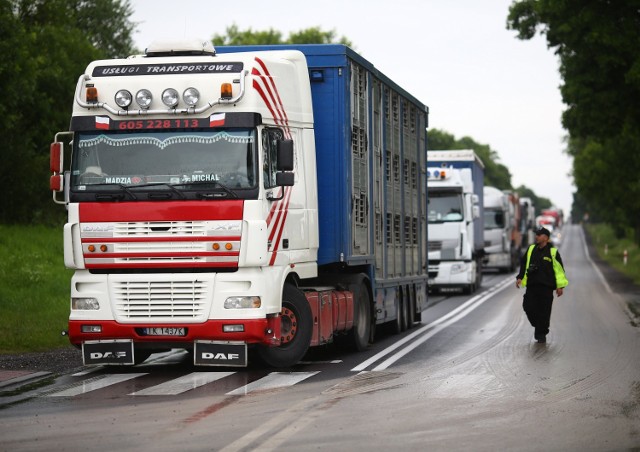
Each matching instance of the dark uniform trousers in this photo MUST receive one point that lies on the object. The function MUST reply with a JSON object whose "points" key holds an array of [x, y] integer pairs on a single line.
{"points": [[537, 302]]}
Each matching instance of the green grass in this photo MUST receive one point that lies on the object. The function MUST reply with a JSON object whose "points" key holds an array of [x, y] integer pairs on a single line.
{"points": [[612, 250], [34, 289]]}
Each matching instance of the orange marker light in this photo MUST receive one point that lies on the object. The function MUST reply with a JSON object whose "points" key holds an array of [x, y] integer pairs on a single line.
{"points": [[225, 91], [103, 248], [92, 94], [91, 248], [216, 246], [228, 246]]}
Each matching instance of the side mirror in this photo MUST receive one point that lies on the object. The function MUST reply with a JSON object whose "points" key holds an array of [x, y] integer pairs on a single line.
{"points": [[55, 157], [284, 179], [56, 182], [284, 176], [285, 155], [56, 153]]}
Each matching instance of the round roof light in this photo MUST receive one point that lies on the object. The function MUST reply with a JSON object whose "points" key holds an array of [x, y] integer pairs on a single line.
{"points": [[143, 98], [123, 98], [170, 97], [191, 96]]}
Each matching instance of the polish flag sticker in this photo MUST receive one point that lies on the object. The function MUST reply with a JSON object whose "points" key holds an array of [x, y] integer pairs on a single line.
{"points": [[102, 122], [216, 120]]}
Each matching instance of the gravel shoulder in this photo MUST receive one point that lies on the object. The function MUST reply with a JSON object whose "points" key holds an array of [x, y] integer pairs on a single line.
{"points": [[58, 361]]}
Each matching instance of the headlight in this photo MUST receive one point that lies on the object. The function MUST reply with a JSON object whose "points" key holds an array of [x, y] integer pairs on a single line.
{"points": [[143, 98], [85, 304], [170, 97], [242, 303], [458, 268], [191, 96], [123, 98]]}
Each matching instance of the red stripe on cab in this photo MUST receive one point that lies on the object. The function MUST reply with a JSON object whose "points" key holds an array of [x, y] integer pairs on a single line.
{"points": [[161, 211]]}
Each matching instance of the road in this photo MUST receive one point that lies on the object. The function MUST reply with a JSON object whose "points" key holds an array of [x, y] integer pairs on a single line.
{"points": [[469, 377]]}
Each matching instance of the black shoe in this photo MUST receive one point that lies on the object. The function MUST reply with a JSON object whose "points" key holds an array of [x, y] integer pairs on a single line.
{"points": [[540, 338]]}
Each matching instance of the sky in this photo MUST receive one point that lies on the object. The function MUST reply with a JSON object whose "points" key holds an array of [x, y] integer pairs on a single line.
{"points": [[455, 56]]}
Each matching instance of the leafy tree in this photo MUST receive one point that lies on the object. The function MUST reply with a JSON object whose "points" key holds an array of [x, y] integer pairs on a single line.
{"points": [[46, 45], [315, 35], [495, 173], [235, 36], [539, 203], [598, 43]]}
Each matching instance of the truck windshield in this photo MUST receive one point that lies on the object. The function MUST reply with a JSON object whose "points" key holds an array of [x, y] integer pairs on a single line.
{"points": [[493, 219], [179, 159], [445, 207]]}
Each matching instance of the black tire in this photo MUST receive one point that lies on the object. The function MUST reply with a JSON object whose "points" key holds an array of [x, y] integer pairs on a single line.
{"points": [[361, 331], [404, 305], [478, 282], [396, 327], [411, 313], [296, 329]]}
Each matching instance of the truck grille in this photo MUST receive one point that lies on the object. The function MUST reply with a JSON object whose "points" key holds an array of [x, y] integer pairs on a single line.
{"points": [[162, 244], [160, 300], [434, 246], [159, 228]]}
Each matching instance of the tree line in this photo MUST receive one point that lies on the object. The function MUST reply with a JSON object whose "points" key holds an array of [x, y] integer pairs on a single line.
{"points": [[598, 45], [47, 44]]}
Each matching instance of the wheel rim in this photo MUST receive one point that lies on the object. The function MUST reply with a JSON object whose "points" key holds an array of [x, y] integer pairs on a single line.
{"points": [[288, 325]]}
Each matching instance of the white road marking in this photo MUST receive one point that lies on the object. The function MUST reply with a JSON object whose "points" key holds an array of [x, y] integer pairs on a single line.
{"points": [[432, 328], [273, 381], [183, 384], [94, 384]]}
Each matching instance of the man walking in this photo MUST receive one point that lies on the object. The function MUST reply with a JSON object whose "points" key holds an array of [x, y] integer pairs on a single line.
{"points": [[541, 272]]}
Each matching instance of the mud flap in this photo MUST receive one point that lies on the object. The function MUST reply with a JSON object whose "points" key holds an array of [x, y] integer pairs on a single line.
{"points": [[111, 352], [218, 353]]}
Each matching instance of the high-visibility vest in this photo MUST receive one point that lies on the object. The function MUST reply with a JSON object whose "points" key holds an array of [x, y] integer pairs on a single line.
{"points": [[561, 278]]}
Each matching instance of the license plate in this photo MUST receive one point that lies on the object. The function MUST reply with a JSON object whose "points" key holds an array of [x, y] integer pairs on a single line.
{"points": [[164, 331]]}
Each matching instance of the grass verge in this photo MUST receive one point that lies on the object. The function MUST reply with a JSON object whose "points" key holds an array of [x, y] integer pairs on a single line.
{"points": [[34, 289], [611, 249]]}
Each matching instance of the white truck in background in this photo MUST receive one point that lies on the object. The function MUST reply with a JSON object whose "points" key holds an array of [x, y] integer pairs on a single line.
{"points": [[502, 235], [455, 181], [527, 222]]}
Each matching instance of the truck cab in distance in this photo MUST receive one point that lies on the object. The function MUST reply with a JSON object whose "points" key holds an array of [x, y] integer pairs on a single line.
{"points": [[454, 213], [502, 233]]}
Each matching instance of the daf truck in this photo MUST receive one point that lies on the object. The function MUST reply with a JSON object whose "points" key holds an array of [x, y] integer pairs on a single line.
{"points": [[236, 201]]}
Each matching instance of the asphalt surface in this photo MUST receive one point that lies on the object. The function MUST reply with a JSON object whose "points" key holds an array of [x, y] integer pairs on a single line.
{"points": [[23, 368]]}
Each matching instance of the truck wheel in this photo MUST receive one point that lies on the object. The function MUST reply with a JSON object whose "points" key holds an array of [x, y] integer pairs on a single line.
{"points": [[400, 324], [404, 302], [361, 318], [296, 329], [411, 312]]}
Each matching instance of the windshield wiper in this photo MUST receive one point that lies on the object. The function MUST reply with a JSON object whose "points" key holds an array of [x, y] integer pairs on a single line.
{"points": [[214, 183], [163, 184], [111, 195]]}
